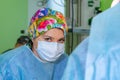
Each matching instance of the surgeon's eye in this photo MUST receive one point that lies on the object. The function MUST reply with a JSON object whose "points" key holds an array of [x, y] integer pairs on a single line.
{"points": [[61, 40], [48, 39]]}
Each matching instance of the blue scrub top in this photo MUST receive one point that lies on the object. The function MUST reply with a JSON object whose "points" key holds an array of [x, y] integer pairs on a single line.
{"points": [[21, 64]]}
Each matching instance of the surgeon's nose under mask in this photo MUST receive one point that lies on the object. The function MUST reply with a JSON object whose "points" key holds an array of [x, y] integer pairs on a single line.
{"points": [[49, 51]]}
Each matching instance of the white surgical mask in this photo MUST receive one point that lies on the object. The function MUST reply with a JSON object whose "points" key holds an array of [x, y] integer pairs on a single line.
{"points": [[49, 51]]}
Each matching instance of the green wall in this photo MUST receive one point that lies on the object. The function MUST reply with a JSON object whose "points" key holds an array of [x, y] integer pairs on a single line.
{"points": [[105, 4], [13, 18]]}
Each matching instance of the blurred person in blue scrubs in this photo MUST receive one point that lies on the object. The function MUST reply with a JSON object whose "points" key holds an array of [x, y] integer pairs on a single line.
{"points": [[45, 58], [22, 40], [98, 56]]}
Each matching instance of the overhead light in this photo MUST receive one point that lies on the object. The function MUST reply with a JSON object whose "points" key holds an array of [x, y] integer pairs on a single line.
{"points": [[41, 2]]}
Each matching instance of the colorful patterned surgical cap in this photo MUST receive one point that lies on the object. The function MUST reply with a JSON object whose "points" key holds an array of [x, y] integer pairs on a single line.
{"points": [[45, 19]]}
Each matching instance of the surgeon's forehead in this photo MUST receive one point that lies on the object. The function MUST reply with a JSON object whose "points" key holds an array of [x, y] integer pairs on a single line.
{"points": [[55, 32]]}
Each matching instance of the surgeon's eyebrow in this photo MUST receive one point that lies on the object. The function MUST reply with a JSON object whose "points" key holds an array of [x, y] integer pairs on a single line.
{"points": [[62, 38], [45, 36]]}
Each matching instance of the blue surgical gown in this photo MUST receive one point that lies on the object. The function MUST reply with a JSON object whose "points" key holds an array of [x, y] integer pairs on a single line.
{"points": [[21, 64], [75, 69], [102, 58]]}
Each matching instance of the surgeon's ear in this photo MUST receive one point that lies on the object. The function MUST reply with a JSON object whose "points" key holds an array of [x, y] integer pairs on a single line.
{"points": [[32, 40], [35, 42]]}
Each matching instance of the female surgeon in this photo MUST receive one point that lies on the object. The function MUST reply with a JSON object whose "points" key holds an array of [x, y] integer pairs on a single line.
{"points": [[45, 58]]}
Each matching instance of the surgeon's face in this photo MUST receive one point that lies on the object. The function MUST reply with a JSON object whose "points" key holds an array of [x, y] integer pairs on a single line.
{"points": [[52, 35]]}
